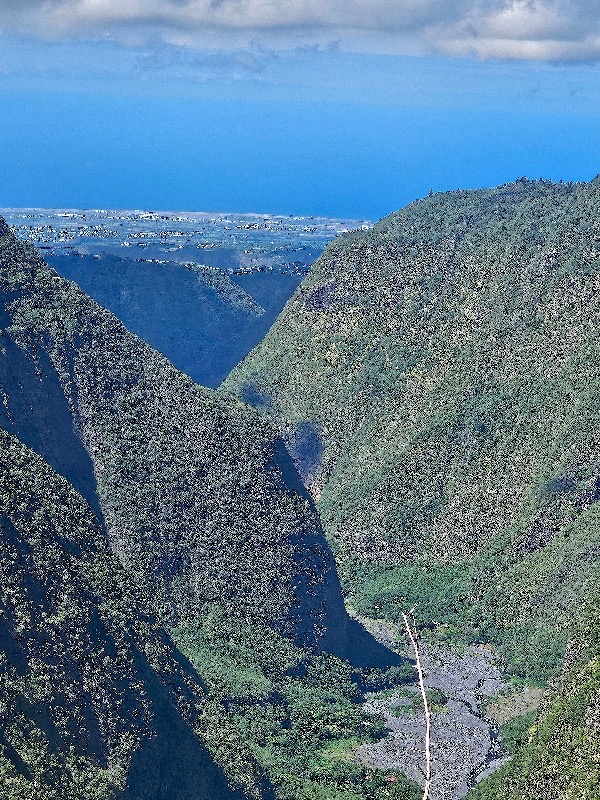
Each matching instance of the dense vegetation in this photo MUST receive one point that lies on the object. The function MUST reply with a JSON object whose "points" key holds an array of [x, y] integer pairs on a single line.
{"points": [[437, 380], [96, 703], [93, 696], [191, 488], [448, 361], [559, 756], [214, 533]]}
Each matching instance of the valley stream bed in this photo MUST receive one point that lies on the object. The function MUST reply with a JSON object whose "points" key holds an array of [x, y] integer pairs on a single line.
{"points": [[464, 747]]}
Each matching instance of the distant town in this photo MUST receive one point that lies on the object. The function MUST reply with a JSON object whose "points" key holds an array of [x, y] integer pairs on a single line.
{"points": [[237, 243]]}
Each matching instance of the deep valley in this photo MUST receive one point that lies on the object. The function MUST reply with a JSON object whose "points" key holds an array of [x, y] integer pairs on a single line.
{"points": [[231, 462]]}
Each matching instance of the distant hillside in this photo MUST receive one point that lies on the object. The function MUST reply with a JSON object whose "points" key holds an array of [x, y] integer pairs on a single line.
{"points": [[95, 702], [438, 383], [203, 320]]}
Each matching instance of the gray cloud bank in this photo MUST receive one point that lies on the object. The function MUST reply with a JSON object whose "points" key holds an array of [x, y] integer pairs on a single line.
{"points": [[555, 30]]}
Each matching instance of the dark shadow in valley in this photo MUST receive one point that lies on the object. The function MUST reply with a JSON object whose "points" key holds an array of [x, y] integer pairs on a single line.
{"points": [[342, 636], [171, 763], [33, 407]]}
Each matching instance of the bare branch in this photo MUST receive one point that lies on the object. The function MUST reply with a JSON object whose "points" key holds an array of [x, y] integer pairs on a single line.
{"points": [[412, 635]]}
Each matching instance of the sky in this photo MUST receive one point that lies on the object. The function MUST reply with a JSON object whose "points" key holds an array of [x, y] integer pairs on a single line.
{"points": [[346, 108]]}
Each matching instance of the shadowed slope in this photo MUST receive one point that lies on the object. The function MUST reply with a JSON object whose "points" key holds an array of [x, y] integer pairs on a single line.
{"points": [[90, 686], [193, 503], [340, 634], [198, 316], [196, 498], [36, 410]]}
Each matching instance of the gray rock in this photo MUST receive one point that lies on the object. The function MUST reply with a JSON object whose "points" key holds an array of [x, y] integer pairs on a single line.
{"points": [[463, 749]]}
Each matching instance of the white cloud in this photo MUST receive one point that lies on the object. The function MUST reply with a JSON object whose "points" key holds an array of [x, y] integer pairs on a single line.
{"points": [[554, 30], [505, 29]]}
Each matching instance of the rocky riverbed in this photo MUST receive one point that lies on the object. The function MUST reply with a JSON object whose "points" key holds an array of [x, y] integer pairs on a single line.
{"points": [[464, 745]]}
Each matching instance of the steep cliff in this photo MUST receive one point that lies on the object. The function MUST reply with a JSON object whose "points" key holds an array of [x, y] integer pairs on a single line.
{"points": [[95, 701]]}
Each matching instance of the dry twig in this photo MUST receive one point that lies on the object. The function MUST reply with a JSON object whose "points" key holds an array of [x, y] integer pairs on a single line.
{"points": [[411, 631]]}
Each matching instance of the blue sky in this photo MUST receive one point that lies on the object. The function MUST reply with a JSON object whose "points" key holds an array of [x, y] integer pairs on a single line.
{"points": [[353, 111]]}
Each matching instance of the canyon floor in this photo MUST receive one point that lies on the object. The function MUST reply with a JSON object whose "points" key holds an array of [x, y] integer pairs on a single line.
{"points": [[470, 696]]}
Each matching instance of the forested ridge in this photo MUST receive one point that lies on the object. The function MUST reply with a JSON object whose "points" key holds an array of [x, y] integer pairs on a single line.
{"points": [[437, 381], [422, 420], [93, 695]]}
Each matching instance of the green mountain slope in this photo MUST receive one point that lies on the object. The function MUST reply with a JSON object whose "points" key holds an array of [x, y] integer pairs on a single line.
{"points": [[198, 497], [437, 379], [560, 754], [205, 511], [95, 702]]}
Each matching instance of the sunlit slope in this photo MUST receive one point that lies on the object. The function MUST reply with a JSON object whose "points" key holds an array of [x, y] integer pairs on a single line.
{"points": [[438, 381], [560, 754], [95, 701]]}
